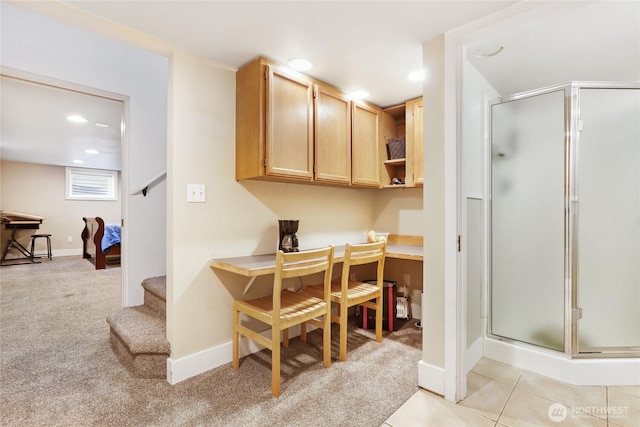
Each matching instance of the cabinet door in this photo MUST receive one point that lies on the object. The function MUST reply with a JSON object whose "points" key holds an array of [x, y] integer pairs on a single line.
{"points": [[332, 136], [289, 134], [415, 143], [365, 148]]}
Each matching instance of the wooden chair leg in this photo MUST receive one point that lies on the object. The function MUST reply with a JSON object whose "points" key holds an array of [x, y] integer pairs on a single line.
{"points": [[303, 332], [275, 363], [236, 359], [326, 340], [285, 338], [379, 307], [343, 331]]}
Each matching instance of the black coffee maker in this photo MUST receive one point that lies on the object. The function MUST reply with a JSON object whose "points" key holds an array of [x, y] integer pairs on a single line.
{"points": [[288, 241]]}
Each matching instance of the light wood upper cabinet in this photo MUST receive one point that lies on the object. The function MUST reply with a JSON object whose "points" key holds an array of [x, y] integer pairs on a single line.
{"points": [[274, 123], [415, 144], [250, 121], [289, 125], [365, 145], [332, 136]]}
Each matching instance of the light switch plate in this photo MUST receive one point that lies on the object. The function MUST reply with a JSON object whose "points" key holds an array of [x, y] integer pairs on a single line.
{"points": [[196, 193]]}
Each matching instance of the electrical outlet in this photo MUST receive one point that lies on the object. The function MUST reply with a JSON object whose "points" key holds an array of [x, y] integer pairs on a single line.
{"points": [[406, 280], [69, 239]]}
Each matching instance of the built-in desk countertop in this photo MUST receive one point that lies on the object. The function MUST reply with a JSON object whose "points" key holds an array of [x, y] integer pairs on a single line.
{"points": [[258, 265]]}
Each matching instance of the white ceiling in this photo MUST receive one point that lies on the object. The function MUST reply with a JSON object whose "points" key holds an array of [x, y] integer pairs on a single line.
{"points": [[560, 42], [373, 45], [369, 45], [35, 128]]}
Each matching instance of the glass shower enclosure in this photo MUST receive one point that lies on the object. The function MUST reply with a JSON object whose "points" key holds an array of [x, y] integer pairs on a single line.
{"points": [[565, 219]]}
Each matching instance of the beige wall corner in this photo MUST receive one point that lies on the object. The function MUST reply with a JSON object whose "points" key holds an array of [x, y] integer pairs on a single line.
{"points": [[434, 205]]}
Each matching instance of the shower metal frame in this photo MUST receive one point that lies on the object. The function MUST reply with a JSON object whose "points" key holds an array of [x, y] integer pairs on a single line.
{"points": [[572, 311]]}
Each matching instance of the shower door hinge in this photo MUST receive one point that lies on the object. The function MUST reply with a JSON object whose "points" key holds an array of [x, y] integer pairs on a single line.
{"points": [[459, 243], [577, 313], [580, 125]]}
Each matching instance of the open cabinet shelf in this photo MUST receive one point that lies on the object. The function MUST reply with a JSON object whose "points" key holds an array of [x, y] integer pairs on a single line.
{"points": [[404, 120]]}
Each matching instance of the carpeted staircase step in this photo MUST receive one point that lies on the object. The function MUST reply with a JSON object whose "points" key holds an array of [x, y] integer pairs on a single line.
{"points": [[155, 294], [138, 337]]}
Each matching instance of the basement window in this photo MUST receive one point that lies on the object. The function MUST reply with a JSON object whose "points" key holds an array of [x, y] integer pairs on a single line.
{"points": [[91, 184]]}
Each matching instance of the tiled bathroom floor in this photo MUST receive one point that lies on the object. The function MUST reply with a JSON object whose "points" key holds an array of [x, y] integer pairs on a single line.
{"points": [[504, 396]]}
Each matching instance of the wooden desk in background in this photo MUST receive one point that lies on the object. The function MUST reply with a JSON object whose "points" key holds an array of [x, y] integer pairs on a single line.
{"points": [[15, 221]]}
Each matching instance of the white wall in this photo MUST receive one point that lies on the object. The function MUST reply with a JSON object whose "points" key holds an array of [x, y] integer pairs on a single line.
{"points": [[441, 369], [399, 211], [476, 92], [36, 44], [431, 375]]}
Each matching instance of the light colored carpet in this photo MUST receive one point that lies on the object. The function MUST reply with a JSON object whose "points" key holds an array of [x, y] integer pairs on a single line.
{"points": [[57, 367]]}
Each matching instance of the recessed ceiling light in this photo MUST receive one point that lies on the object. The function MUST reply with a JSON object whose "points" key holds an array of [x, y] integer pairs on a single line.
{"points": [[102, 125], [91, 151], [354, 95], [77, 119], [489, 50], [299, 64], [416, 76], [78, 161]]}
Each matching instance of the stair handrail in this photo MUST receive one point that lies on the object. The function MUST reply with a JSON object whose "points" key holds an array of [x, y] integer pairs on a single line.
{"points": [[153, 181]]}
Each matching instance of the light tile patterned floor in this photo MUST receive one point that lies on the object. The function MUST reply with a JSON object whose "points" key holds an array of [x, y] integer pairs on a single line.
{"points": [[504, 396]]}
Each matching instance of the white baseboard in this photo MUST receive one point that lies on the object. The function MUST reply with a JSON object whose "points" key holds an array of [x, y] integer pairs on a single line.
{"points": [[431, 377], [614, 371], [57, 253], [203, 361], [197, 363], [66, 252]]}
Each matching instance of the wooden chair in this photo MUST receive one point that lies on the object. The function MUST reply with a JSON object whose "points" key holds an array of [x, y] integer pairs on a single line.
{"points": [[348, 293], [284, 308]]}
